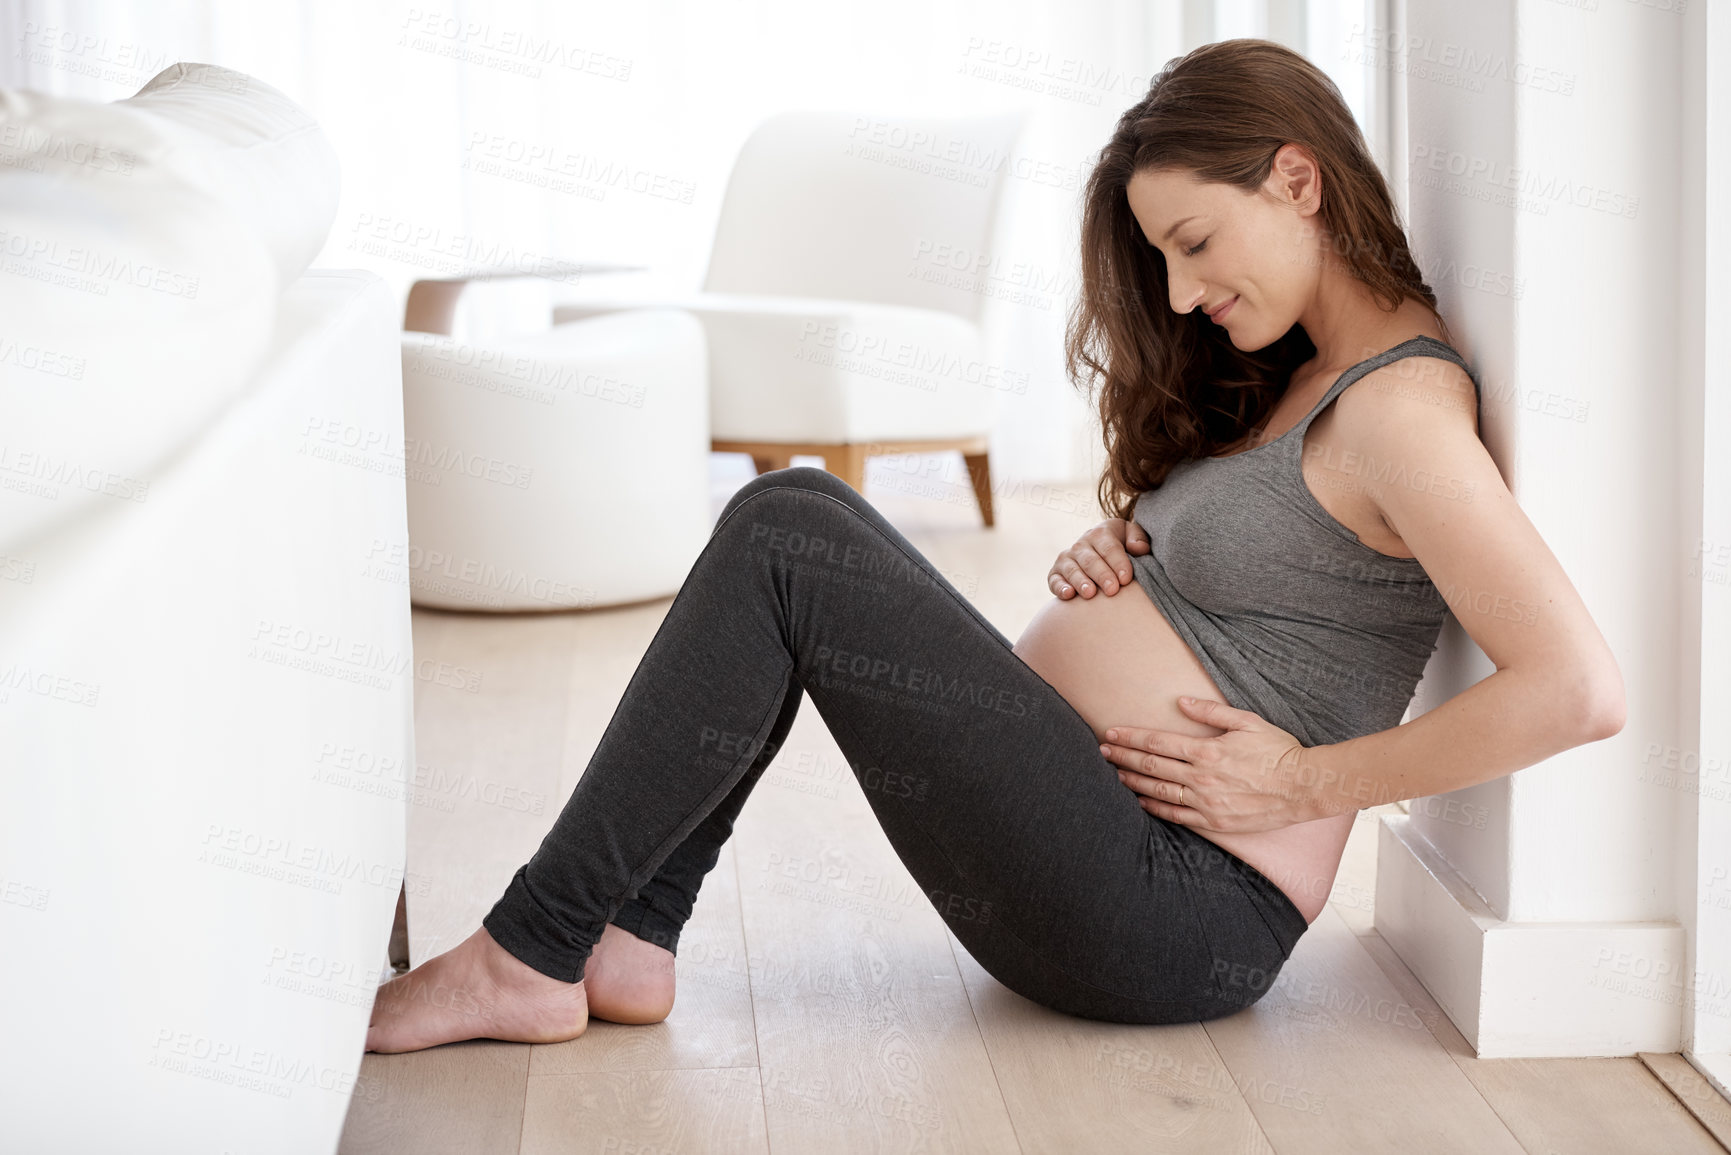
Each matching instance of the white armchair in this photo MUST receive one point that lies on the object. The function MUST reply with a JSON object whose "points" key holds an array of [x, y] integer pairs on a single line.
{"points": [[555, 470], [844, 296]]}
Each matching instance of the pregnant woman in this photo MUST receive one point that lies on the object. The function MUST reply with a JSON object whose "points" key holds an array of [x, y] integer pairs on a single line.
{"points": [[1134, 812]]}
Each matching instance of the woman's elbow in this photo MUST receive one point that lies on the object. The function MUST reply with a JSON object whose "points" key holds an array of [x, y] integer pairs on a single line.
{"points": [[1602, 709]]}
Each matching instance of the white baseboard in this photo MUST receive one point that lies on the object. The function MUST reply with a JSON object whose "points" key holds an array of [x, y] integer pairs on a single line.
{"points": [[1526, 990], [1715, 1068]]}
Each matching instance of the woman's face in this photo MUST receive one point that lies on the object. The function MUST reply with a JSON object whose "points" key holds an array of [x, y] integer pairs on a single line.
{"points": [[1261, 251]]}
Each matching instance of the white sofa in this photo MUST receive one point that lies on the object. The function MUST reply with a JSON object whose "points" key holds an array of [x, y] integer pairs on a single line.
{"points": [[206, 668]]}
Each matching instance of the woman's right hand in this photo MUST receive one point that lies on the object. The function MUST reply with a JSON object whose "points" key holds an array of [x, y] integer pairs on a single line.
{"points": [[1100, 558]]}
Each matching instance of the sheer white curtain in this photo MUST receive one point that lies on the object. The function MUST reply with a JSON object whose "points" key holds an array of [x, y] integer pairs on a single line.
{"points": [[558, 129]]}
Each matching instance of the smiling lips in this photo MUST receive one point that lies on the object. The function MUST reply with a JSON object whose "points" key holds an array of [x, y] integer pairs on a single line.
{"points": [[1219, 311]]}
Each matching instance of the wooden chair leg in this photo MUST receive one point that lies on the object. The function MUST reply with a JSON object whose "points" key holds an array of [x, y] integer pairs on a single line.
{"points": [[848, 462], [980, 469], [398, 951]]}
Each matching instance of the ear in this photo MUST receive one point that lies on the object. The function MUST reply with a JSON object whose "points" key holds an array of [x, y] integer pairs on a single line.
{"points": [[1296, 179]]}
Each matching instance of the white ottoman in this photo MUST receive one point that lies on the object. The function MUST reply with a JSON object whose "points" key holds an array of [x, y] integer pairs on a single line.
{"points": [[556, 470]]}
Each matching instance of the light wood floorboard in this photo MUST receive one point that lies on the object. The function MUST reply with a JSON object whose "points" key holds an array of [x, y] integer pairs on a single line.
{"points": [[645, 1113], [1592, 1106], [1125, 1088], [463, 1097], [1692, 1089], [1333, 1058], [864, 1032]]}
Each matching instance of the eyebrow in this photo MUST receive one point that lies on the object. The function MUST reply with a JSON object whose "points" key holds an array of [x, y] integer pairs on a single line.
{"points": [[1174, 228]]}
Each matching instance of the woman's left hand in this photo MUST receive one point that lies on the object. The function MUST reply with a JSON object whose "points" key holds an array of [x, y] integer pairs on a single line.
{"points": [[1241, 781]]}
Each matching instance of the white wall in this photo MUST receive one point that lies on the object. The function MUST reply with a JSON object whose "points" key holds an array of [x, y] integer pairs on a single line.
{"points": [[1546, 158], [1569, 315]]}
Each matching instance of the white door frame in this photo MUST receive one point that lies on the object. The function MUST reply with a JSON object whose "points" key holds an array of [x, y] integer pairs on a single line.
{"points": [[1705, 705]]}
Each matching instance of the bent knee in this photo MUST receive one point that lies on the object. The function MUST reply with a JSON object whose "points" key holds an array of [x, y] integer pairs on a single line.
{"points": [[801, 477], [790, 484]]}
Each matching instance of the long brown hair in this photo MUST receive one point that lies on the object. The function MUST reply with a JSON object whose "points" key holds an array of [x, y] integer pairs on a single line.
{"points": [[1172, 386]]}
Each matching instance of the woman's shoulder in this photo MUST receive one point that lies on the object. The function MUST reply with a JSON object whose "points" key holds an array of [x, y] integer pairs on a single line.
{"points": [[1423, 389], [1424, 364]]}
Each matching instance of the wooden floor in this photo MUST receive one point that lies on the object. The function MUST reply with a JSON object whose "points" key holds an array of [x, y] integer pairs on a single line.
{"points": [[811, 1019]]}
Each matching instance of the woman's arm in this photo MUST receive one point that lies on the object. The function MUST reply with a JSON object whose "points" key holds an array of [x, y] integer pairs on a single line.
{"points": [[1556, 683]]}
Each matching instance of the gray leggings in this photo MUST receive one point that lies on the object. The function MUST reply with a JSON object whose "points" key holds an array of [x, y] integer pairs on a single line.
{"points": [[990, 786]]}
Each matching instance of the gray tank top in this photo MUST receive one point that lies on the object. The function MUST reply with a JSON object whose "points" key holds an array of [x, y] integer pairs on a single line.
{"points": [[1292, 615]]}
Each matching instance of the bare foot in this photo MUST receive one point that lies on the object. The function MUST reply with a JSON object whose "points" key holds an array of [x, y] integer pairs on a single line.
{"points": [[627, 979], [475, 990]]}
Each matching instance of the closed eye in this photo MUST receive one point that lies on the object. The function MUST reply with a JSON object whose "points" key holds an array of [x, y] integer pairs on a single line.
{"points": [[1200, 246]]}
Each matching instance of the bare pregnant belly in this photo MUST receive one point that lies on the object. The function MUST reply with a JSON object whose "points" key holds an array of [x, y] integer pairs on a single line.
{"points": [[1119, 662]]}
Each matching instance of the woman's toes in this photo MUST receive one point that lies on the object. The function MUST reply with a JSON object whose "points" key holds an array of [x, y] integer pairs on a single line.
{"points": [[432, 1004], [476, 990]]}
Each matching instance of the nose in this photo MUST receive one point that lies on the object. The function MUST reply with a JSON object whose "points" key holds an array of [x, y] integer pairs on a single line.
{"points": [[1185, 293]]}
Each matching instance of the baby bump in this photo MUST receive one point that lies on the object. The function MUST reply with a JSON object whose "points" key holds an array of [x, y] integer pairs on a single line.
{"points": [[1118, 662]]}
